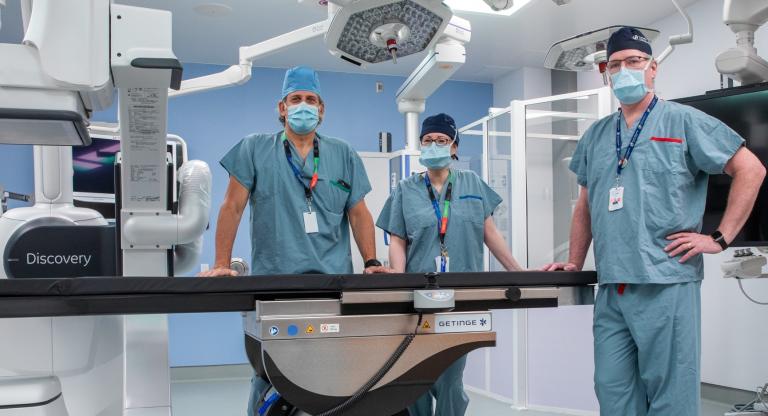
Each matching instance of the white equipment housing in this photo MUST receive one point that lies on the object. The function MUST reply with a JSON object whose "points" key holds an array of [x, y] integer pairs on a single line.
{"points": [[745, 265], [74, 55], [742, 63], [48, 361], [57, 76]]}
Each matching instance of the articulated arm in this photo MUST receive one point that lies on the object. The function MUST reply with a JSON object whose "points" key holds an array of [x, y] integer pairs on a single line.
{"points": [[240, 74], [437, 67]]}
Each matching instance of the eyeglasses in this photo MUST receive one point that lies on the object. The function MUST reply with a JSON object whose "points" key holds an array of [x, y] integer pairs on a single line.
{"points": [[441, 141], [632, 62]]}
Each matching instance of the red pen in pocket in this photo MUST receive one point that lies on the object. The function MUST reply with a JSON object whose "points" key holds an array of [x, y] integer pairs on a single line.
{"points": [[666, 140]]}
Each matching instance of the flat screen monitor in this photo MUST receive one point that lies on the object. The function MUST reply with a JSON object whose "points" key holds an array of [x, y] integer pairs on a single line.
{"points": [[94, 172], [745, 110]]}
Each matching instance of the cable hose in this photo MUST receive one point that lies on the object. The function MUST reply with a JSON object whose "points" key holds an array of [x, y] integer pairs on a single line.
{"points": [[352, 400], [749, 297]]}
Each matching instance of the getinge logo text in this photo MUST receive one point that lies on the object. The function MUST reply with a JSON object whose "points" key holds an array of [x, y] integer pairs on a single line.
{"points": [[58, 259]]}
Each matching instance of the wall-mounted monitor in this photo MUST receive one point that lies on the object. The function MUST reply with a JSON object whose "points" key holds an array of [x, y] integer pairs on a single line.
{"points": [[745, 110]]}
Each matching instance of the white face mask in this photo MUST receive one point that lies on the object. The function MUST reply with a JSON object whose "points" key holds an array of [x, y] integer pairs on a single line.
{"points": [[629, 84], [435, 156]]}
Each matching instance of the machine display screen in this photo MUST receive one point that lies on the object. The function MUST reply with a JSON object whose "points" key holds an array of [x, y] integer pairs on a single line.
{"points": [[745, 110], [94, 166]]}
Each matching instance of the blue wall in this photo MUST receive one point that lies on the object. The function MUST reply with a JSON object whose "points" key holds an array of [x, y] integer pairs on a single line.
{"points": [[214, 121]]}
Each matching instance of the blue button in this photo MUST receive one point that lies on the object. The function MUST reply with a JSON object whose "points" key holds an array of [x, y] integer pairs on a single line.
{"points": [[293, 330]]}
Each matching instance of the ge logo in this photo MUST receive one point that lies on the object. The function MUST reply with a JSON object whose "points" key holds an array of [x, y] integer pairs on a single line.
{"points": [[273, 331]]}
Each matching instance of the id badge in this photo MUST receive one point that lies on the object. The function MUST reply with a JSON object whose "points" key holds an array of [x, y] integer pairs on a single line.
{"points": [[442, 264], [310, 223], [616, 201]]}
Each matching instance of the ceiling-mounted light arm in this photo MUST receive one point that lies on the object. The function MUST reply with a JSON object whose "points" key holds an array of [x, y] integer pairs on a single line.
{"points": [[678, 39], [240, 74], [442, 61]]}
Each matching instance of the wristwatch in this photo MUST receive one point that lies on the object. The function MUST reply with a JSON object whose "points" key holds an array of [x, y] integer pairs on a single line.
{"points": [[719, 239], [372, 263]]}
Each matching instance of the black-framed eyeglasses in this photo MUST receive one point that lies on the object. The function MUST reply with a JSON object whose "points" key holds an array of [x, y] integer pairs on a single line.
{"points": [[632, 62], [441, 141]]}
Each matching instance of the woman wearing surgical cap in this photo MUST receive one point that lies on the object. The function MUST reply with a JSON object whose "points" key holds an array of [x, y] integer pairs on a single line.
{"points": [[438, 221]]}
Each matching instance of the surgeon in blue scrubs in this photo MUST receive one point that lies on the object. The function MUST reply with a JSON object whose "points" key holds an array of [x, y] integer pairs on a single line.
{"points": [[305, 191], [643, 173], [438, 221]]}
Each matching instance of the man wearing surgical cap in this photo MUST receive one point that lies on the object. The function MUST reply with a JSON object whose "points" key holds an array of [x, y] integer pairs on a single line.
{"points": [[305, 191], [643, 173]]}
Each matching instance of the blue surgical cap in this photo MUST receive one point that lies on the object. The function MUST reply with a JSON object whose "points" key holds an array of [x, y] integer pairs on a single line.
{"points": [[628, 38], [301, 78], [440, 123]]}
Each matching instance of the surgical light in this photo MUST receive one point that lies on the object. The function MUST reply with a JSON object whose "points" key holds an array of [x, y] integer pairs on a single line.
{"points": [[381, 30], [497, 7], [587, 51]]}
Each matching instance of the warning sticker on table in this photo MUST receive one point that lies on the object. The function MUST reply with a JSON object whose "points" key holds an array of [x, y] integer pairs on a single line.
{"points": [[330, 328], [426, 325], [475, 322], [310, 329]]}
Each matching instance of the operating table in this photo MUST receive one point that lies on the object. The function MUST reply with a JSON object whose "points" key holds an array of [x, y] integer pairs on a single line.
{"points": [[330, 344]]}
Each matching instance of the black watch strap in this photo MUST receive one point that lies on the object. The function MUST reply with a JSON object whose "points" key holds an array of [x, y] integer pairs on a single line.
{"points": [[719, 239], [372, 263]]}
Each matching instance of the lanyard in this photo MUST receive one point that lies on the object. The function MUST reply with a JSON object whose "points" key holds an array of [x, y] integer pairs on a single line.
{"points": [[442, 217], [622, 162], [297, 171]]}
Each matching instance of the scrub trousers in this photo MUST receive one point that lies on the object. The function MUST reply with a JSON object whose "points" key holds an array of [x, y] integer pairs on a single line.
{"points": [[648, 349], [448, 393]]}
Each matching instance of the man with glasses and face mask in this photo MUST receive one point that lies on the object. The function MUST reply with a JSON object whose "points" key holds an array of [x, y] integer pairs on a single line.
{"points": [[305, 190], [643, 174], [438, 221]]}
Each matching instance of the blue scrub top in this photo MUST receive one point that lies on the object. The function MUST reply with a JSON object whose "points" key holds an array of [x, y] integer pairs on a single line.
{"points": [[665, 190], [409, 214], [279, 242]]}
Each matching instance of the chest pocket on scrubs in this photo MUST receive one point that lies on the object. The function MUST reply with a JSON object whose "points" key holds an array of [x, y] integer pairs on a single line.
{"points": [[666, 179], [332, 195], [665, 155], [329, 202], [420, 222], [468, 217]]}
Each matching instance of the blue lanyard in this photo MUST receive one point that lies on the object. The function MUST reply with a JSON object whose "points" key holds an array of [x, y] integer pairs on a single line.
{"points": [[297, 171], [622, 162], [442, 217]]}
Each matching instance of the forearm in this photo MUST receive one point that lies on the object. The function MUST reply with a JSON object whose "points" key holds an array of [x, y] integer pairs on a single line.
{"points": [[581, 233], [397, 254], [498, 247], [741, 199], [364, 232], [226, 231]]}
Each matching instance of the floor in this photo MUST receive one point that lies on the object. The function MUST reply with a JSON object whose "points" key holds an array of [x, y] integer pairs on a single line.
{"points": [[228, 397]]}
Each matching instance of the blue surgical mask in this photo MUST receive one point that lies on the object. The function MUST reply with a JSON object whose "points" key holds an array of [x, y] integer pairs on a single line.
{"points": [[435, 157], [303, 118], [629, 85]]}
